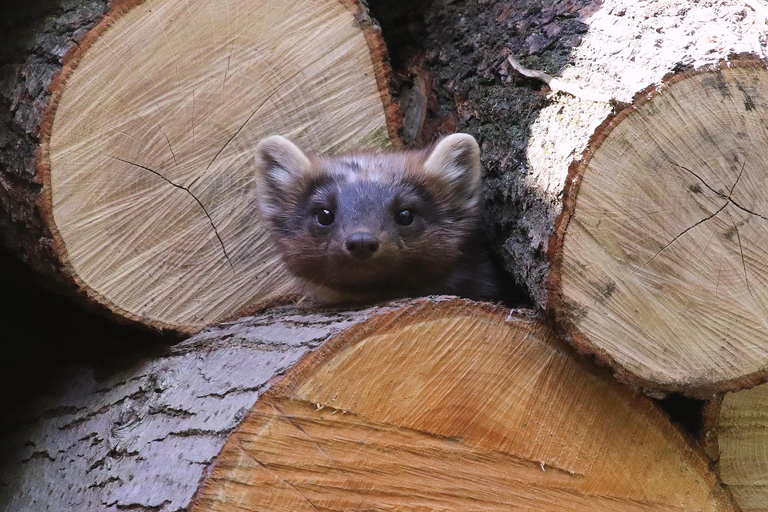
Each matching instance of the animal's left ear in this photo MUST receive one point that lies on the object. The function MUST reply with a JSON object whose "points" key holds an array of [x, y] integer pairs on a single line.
{"points": [[455, 161]]}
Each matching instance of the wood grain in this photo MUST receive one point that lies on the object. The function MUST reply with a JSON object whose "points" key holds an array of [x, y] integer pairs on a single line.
{"points": [[737, 434], [455, 406], [660, 259]]}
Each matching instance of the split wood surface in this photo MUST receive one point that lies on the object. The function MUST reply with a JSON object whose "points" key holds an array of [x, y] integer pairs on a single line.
{"points": [[736, 438], [453, 405], [658, 259], [148, 203]]}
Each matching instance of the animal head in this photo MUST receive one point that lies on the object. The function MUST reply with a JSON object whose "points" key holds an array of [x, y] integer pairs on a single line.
{"points": [[370, 223]]}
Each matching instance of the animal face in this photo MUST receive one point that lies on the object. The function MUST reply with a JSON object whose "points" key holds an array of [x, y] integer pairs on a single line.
{"points": [[370, 224]]}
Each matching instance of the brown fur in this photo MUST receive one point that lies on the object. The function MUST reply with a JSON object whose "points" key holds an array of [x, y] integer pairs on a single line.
{"points": [[440, 252]]}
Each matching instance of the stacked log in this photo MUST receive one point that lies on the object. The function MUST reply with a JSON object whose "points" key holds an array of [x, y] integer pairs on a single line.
{"points": [[432, 404], [659, 240], [735, 439]]}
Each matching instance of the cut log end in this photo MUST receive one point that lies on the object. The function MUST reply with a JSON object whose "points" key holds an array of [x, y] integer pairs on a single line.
{"points": [[658, 255], [737, 439], [147, 145], [451, 405]]}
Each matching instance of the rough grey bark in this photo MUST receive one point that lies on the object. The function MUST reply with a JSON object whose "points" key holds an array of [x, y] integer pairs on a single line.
{"points": [[141, 433], [36, 37], [528, 136]]}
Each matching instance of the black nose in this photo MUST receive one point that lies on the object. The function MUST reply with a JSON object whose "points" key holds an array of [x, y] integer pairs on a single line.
{"points": [[361, 245]]}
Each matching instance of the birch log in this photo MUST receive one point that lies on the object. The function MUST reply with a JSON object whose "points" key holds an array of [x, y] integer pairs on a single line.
{"points": [[433, 404], [127, 132], [656, 263]]}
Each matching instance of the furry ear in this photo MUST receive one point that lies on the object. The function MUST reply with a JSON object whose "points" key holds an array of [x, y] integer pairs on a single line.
{"points": [[455, 162], [280, 167], [279, 162]]}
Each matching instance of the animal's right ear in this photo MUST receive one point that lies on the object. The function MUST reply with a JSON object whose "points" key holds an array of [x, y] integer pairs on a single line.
{"points": [[280, 163], [280, 167]]}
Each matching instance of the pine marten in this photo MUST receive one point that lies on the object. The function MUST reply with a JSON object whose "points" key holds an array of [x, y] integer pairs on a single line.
{"points": [[368, 226]]}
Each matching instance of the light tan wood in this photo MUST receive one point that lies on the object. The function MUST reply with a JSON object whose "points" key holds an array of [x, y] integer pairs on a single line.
{"points": [[738, 437], [662, 262], [150, 156], [452, 405]]}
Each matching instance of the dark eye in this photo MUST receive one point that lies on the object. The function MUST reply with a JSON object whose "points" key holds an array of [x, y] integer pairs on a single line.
{"points": [[324, 217], [404, 217]]}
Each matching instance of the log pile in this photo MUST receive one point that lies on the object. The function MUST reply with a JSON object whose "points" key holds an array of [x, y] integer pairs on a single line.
{"points": [[432, 404], [634, 225]]}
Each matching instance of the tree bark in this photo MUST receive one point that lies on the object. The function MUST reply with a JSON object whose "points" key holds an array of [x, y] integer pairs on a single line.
{"points": [[431, 404], [34, 46], [139, 434], [529, 141], [127, 144]]}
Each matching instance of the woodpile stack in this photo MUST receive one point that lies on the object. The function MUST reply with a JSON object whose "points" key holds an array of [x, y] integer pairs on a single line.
{"points": [[634, 225], [432, 404]]}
